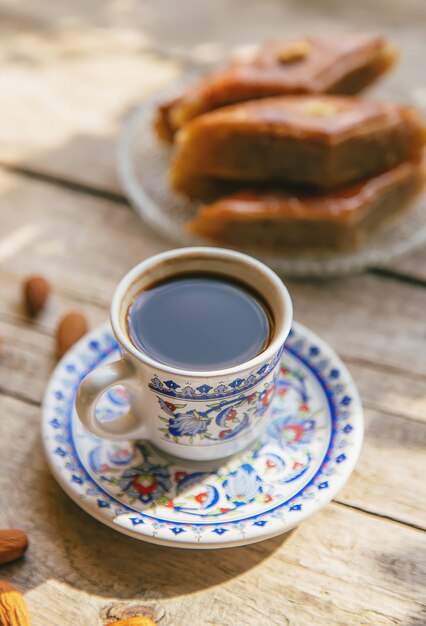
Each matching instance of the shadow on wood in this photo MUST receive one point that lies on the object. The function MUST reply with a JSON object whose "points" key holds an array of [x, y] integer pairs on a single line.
{"points": [[90, 556]]}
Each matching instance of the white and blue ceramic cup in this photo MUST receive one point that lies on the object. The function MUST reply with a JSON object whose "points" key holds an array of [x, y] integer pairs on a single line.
{"points": [[193, 415]]}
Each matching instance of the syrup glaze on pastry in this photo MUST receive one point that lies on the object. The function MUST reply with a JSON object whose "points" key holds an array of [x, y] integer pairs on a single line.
{"points": [[298, 221], [339, 63], [321, 141]]}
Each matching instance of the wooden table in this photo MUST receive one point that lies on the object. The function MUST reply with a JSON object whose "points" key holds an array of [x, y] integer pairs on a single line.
{"points": [[70, 73]]}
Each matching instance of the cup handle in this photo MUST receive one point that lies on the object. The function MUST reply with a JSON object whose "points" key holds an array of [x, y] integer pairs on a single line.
{"points": [[95, 384]]}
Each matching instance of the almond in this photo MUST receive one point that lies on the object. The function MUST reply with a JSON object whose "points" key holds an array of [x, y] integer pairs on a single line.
{"points": [[72, 327], [13, 544], [134, 621], [36, 293], [13, 610]]}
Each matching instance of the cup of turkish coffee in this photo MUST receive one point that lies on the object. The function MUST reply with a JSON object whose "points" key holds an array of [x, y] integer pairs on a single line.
{"points": [[201, 331]]}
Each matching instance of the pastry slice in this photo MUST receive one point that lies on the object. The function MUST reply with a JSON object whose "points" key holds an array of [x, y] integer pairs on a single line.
{"points": [[321, 141], [336, 221], [340, 63]]}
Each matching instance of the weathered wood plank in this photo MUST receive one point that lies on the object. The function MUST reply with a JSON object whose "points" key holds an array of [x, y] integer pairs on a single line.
{"points": [[40, 233], [205, 32], [84, 269], [386, 479], [64, 118], [327, 571], [70, 72], [362, 319], [28, 356], [94, 66], [394, 392], [28, 349]]}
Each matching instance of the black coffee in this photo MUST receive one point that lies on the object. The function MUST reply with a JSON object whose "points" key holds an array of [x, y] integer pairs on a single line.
{"points": [[199, 322]]}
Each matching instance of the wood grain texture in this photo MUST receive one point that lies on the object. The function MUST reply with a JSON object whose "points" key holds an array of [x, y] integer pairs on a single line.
{"points": [[87, 267], [81, 87], [385, 482], [329, 571], [83, 69], [71, 71], [41, 234], [386, 479]]}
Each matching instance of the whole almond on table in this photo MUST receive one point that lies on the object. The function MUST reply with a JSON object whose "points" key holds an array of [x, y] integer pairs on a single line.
{"points": [[13, 544], [72, 327], [36, 293], [133, 621], [13, 610]]}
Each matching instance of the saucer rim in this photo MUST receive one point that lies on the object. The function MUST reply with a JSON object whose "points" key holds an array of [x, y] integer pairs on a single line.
{"points": [[220, 541]]}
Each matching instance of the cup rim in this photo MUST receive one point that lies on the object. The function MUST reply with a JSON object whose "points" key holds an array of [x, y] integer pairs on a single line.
{"points": [[281, 332]]}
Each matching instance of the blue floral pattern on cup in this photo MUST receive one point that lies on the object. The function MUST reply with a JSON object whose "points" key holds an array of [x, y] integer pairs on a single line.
{"points": [[282, 457], [221, 420]]}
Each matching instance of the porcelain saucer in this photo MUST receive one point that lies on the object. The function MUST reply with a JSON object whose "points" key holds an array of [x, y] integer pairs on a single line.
{"points": [[305, 456]]}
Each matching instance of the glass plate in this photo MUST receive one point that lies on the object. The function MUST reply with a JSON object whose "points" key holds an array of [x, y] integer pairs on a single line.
{"points": [[143, 163]]}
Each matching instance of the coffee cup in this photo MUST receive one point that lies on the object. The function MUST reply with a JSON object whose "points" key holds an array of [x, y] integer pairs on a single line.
{"points": [[191, 414]]}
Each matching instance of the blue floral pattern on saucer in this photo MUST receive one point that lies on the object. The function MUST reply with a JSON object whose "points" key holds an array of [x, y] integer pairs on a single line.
{"points": [[306, 454]]}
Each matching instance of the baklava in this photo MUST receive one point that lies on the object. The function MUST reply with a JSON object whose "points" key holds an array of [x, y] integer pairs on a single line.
{"points": [[305, 222], [339, 63], [322, 142]]}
